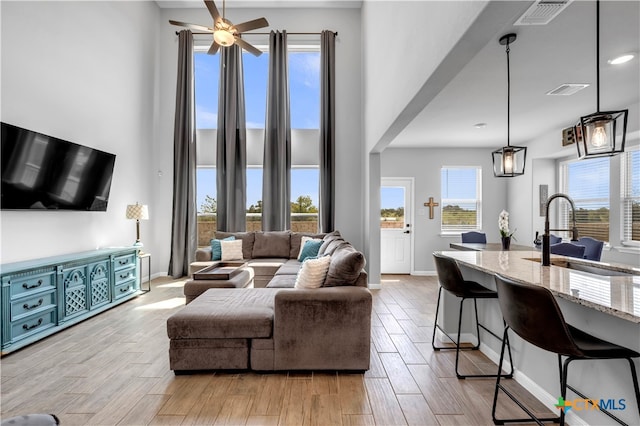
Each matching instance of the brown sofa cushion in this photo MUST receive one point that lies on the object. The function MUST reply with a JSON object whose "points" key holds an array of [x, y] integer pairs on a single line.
{"points": [[247, 238], [296, 238], [331, 236], [271, 244], [221, 313], [345, 267]]}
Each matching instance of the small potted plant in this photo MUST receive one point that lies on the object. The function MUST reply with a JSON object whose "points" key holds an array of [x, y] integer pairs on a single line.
{"points": [[505, 233]]}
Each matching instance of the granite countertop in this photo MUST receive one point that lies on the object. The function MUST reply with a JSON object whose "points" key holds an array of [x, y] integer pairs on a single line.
{"points": [[592, 284]]}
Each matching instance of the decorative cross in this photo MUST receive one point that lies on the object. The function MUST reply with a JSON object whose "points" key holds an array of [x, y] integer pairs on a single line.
{"points": [[431, 205]]}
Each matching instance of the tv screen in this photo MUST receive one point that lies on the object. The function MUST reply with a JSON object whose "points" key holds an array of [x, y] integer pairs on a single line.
{"points": [[40, 172]]}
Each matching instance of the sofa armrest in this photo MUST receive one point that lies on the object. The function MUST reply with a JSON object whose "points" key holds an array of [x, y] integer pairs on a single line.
{"points": [[203, 254], [322, 329]]}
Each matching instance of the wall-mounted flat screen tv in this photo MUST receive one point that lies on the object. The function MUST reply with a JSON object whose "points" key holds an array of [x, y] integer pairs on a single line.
{"points": [[41, 172]]}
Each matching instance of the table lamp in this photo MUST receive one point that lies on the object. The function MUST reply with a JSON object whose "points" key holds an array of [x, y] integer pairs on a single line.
{"points": [[138, 212]]}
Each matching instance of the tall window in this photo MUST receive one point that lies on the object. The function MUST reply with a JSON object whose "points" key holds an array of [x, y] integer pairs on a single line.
{"points": [[304, 88], [461, 192], [631, 196], [587, 183]]}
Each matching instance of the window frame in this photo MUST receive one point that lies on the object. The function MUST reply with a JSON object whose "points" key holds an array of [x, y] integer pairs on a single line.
{"points": [[478, 202], [626, 199], [563, 212]]}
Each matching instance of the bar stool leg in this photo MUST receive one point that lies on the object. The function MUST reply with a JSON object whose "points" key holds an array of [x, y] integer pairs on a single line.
{"points": [[634, 376]]}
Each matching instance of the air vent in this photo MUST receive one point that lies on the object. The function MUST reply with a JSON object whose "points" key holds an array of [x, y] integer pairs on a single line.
{"points": [[542, 12], [567, 89]]}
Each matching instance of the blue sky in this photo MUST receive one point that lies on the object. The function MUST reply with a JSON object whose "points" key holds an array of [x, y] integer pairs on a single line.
{"points": [[304, 88]]}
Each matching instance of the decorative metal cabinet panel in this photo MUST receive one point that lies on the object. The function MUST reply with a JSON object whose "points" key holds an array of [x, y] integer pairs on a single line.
{"points": [[43, 296]]}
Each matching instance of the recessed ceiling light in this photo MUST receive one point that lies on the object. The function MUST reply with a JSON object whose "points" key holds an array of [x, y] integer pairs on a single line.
{"points": [[480, 125], [621, 59], [567, 89]]}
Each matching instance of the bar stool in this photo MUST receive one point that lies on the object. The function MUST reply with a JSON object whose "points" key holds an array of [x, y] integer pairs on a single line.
{"points": [[533, 314], [451, 280]]}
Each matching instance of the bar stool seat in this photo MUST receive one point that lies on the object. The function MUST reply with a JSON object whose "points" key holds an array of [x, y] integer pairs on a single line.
{"points": [[451, 279], [533, 314]]}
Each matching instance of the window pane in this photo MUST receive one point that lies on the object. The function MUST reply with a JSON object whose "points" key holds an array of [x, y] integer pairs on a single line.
{"points": [[304, 199], [587, 183], [392, 211], [256, 69], [631, 195], [206, 75], [461, 199], [304, 89]]}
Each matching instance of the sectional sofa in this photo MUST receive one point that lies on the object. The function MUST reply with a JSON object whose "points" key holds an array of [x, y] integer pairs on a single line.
{"points": [[275, 325]]}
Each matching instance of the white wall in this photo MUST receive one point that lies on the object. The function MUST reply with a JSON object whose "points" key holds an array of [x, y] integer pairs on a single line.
{"points": [[349, 149], [84, 72], [424, 165]]}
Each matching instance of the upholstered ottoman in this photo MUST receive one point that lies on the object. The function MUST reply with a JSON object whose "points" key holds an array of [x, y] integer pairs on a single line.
{"points": [[214, 331], [194, 288]]}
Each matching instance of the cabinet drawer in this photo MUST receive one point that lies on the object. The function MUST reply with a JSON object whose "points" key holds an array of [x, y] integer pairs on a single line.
{"points": [[28, 305], [123, 262], [28, 284], [33, 324], [125, 289], [125, 275]]}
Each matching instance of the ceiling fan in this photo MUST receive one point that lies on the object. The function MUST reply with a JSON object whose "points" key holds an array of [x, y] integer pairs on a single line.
{"points": [[225, 33]]}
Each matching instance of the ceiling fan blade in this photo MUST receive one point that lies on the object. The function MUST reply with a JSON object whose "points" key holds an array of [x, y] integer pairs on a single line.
{"points": [[191, 26], [251, 25], [213, 10], [248, 47], [213, 49]]}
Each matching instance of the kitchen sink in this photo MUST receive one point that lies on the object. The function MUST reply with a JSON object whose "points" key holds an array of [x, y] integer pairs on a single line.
{"points": [[576, 266]]}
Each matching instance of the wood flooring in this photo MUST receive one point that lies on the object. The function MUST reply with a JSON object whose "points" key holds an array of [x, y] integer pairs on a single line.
{"points": [[114, 369]]}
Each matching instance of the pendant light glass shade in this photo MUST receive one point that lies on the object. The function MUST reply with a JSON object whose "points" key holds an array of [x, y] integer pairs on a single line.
{"points": [[509, 161], [603, 133]]}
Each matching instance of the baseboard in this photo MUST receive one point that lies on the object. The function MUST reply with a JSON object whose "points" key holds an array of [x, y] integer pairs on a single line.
{"points": [[374, 286], [424, 273], [538, 392]]}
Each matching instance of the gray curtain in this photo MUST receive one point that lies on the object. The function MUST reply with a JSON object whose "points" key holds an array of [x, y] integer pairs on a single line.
{"points": [[276, 180], [231, 161], [184, 226], [326, 210]]}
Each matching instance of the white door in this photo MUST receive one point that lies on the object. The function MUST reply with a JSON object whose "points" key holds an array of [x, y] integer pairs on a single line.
{"points": [[396, 195]]}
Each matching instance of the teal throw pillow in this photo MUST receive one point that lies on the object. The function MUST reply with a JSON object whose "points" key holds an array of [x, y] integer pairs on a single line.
{"points": [[216, 248], [310, 249]]}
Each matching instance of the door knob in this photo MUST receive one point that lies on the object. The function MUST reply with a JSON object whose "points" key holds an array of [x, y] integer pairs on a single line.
{"points": [[406, 232]]}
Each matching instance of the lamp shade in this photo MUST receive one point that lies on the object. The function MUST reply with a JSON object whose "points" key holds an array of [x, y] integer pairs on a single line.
{"points": [[603, 134], [137, 211], [509, 161]]}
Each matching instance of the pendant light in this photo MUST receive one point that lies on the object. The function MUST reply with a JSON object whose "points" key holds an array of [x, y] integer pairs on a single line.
{"points": [[509, 161], [603, 132]]}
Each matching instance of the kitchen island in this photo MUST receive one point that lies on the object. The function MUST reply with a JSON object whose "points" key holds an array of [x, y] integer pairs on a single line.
{"points": [[601, 298]]}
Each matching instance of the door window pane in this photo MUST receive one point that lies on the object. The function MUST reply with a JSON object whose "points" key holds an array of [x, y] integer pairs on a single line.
{"points": [[392, 207]]}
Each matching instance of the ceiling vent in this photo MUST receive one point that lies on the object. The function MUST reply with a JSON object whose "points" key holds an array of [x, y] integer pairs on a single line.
{"points": [[567, 89], [542, 12]]}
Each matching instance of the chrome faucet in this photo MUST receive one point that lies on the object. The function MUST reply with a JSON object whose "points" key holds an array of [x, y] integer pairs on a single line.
{"points": [[546, 253]]}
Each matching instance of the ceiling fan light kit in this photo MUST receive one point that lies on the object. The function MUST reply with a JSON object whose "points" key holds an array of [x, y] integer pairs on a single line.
{"points": [[226, 34], [509, 161], [603, 133]]}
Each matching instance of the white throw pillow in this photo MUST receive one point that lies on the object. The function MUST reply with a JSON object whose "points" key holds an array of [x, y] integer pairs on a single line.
{"points": [[313, 272], [231, 250]]}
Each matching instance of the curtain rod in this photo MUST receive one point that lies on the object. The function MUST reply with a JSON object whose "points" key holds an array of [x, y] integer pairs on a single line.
{"points": [[202, 33]]}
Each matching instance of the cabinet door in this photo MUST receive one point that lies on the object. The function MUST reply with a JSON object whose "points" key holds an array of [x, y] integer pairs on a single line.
{"points": [[75, 292], [99, 287]]}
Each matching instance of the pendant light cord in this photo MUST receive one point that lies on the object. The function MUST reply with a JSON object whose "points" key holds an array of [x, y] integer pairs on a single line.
{"points": [[508, 96], [597, 55]]}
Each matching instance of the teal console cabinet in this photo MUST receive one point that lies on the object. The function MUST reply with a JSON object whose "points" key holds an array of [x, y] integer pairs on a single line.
{"points": [[43, 296]]}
